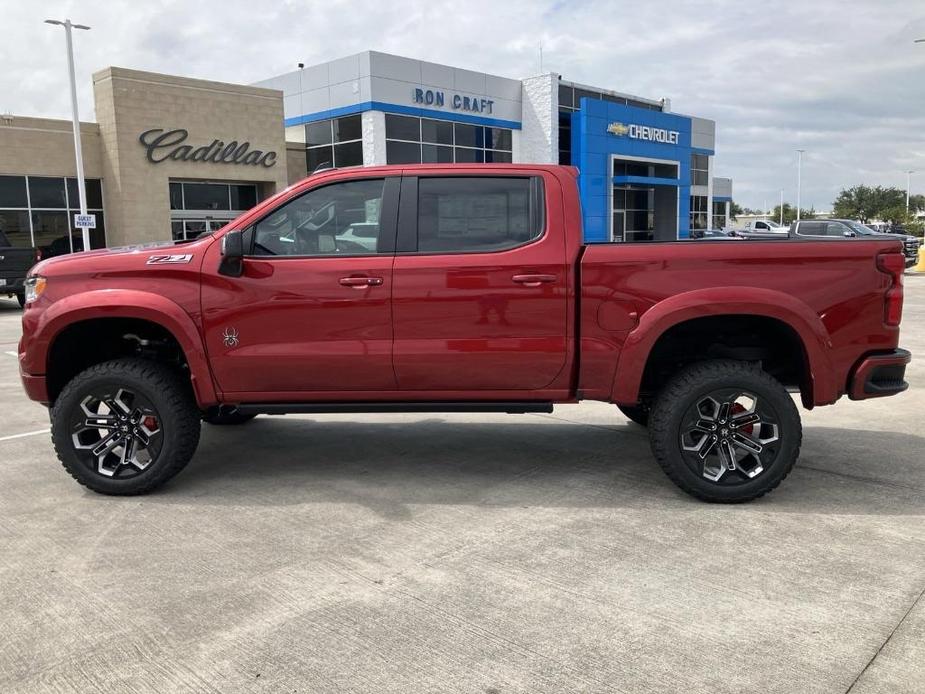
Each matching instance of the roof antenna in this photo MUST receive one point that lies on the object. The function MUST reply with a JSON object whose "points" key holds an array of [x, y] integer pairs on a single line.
{"points": [[541, 58]]}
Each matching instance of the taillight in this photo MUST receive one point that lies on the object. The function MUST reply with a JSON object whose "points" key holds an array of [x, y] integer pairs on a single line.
{"points": [[894, 265]]}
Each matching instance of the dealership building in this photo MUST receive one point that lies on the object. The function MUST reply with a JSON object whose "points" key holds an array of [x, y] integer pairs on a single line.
{"points": [[172, 157]]}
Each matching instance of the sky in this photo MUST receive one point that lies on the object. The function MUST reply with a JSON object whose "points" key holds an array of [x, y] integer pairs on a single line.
{"points": [[841, 79]]}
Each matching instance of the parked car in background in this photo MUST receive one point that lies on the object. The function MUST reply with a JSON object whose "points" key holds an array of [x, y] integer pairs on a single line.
{"points": [[765, 225], [712, 234], [850, 228], [14, 266], [480, 296]]}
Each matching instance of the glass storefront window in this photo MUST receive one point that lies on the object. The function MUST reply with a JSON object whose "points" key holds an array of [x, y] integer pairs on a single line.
{"points": [[403, 128], [437, 131], [402, 152], [13, 191], [39, 212], [700, 169], [47, 192], [243, 197], [337, 142], [436, 154], [699, 216], [633, 214], [206, 196], [348, 154], [176, 196], [348, 128], [412, 140], [93, 190], [318, 133]]}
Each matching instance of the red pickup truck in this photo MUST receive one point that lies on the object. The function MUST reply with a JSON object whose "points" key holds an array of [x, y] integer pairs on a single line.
{"points": [[456, 289]]}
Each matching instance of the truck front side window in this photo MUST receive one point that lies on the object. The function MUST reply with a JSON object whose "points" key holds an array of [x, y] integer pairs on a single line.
{"points": [[337, 219]]}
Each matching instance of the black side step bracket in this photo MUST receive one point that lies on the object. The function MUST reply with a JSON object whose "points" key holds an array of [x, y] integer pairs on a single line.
{"points": [[509, 407]]}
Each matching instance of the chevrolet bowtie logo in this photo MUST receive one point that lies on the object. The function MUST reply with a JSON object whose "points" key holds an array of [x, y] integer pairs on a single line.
{"points": [[618, 129]]}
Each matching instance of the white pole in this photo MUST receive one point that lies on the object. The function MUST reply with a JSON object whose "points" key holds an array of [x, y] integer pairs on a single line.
{"points": [[781, 207], [81, 187], [799, 180], [908, 185]]}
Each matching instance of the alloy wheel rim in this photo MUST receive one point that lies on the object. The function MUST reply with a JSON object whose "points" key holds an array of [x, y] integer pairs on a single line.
{"points": [[117, 434], [730, 437]]}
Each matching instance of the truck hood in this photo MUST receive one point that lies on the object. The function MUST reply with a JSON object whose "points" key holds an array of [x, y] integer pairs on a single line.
{"points": [[86, 258]]}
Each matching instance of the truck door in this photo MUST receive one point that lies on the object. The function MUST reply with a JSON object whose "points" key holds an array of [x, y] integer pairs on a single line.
{"points": [[480, 285], [312, 311]]}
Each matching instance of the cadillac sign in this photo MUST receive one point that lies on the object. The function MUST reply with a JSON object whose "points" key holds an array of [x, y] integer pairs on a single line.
{"points": [[644, 132], [163, 145]]}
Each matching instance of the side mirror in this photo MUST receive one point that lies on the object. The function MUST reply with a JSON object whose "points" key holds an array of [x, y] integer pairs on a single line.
{"points": [[850, 234], [232, 263]]}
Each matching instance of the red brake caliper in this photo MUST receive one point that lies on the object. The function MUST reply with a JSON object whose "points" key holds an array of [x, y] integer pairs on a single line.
{"points": [[737, 409]]}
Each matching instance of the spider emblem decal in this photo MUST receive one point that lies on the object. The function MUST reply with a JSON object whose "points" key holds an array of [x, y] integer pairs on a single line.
{"points": [[230, 337]]}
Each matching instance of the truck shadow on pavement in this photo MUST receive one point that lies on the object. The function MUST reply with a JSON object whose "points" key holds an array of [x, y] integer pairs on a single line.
{"points": [[387, 466]]}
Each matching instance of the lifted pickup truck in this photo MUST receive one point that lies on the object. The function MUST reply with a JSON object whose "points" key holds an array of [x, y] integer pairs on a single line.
{"points": [[478, 295], [14, 265]]}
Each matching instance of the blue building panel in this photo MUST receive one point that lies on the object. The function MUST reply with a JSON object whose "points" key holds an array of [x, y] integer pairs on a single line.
{"points": [[601, 130]]}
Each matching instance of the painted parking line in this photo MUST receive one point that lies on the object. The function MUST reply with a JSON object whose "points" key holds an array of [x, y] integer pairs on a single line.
{"points": [[24, 434], [12, 354]]}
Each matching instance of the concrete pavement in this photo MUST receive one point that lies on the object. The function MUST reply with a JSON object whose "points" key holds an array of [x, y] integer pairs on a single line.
{"points": [[471, 553]]}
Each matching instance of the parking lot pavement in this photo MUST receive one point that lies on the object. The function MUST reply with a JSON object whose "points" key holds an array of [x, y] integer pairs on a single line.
{"points": [[477, 553]]}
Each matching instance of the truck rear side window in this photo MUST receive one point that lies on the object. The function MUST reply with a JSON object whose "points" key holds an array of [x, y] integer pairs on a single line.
{"points": [[477, 214]]}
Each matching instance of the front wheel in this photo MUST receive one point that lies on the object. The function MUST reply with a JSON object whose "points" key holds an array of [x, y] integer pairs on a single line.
{"points": [[125, 426], [21, 298], [725, 431]]}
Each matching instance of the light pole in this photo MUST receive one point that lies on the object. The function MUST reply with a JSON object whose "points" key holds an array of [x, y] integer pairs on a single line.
{"points": [[908, 185], [81, 189], [781, 207], [799, 180]]}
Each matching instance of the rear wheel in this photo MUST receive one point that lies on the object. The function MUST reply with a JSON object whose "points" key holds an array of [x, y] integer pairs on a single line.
{"points": [[725, 431], [636, 413], [125, 426]]}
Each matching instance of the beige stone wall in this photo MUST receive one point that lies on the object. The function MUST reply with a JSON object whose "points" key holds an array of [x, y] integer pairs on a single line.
{"points": [[130, 102], [296, 164], [45, 147]]}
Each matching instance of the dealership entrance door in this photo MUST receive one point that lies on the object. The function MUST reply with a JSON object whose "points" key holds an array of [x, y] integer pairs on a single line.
{"points": [[644, 199], [198, 207]]}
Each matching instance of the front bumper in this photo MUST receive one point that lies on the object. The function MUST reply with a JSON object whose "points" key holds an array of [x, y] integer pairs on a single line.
{"points": [[36, 387], [879, 375]]}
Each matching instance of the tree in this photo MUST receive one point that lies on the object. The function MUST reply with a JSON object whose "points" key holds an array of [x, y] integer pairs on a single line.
{"points": [[790, 213], [865, 203], [735, 210], [917, 203]]}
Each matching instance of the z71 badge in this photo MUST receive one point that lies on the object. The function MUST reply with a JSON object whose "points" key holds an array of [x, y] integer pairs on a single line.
{"points": [[169, 259]]}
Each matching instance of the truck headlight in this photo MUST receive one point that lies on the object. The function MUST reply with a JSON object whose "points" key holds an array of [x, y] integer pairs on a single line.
{"points": [[35, 287]]}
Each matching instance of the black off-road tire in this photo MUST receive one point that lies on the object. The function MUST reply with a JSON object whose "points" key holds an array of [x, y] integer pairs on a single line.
{"points": [[225, 416], [684, 391], [636, 413], [177, 417]]}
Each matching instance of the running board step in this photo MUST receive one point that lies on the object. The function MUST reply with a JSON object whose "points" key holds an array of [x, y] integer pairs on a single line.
{"points": [[510, 407]]}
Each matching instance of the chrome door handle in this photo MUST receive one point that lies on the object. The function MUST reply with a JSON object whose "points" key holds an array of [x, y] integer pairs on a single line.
{"points": [[533, 280], [360, 282]]}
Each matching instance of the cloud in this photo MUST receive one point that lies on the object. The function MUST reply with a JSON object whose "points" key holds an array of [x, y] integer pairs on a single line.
{"points": [[841, 79]]}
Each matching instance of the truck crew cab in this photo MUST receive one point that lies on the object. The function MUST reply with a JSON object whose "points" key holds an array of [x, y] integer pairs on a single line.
{"points": [[456, 288]]}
